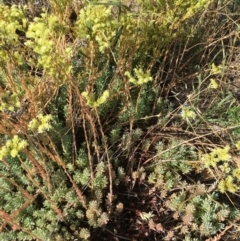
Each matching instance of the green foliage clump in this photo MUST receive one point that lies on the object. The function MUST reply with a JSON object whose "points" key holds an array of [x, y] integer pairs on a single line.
{"points": [[204, 212]]}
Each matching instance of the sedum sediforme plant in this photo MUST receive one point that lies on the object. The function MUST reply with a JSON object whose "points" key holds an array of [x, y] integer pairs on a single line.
{"points": [[81, 156]]}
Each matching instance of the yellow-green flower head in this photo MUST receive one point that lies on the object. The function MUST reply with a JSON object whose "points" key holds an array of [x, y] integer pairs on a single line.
{"points": [[9, 101], [187, 113], [41, 123], [210, 160], [236, 173], [13, 153], [96, 22], [15, 140], [8, 143], [33, 124], [225, 168], [216, 69], [227, 185], [140, 77], [217, 155], [213, 84], [4, 152], [44, 118], [222, 186], [222, 154], [90, 98], [22, 144], [13, 147], [102, 99], [44, 127]]}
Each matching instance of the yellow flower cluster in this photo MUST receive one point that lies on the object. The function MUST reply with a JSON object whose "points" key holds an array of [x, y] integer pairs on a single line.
{"points": [[187, 113], [43, 35], [41, 123], [95, 23], [217, 155], [176, 12], [227, 184], [9, 102], [229, 176], [91, 99], [140, 77], [216, 69], [12, 19], [13, 147]]}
